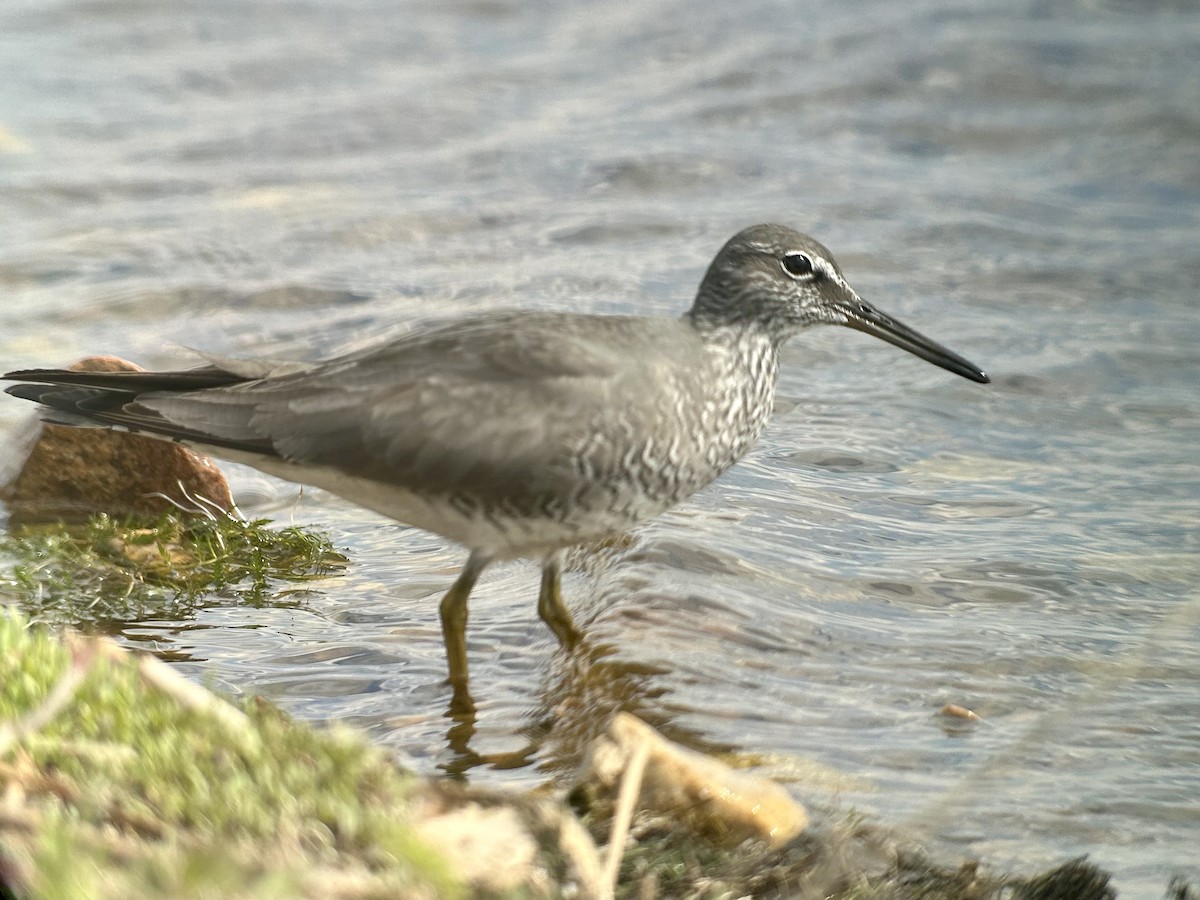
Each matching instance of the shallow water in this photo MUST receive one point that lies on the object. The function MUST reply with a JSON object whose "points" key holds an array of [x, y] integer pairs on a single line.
{"points": [[1020, 181]]}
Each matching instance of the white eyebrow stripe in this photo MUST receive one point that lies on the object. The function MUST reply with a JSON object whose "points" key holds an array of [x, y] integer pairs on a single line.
{"points": [[828, 271]]}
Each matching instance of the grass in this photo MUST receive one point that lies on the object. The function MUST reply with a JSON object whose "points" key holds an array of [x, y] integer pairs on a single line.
{"points": [[109, 571], [113, 786]]}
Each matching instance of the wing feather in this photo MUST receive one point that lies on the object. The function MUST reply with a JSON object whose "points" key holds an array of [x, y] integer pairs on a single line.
{"points": [[490, 405]]}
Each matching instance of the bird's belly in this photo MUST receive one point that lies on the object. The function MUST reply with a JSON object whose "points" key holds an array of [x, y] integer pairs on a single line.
{"points": [[505, 532]]}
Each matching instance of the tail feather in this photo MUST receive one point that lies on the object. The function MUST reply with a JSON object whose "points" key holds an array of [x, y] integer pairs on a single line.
{"points": [[111, 400], [135, 382]]}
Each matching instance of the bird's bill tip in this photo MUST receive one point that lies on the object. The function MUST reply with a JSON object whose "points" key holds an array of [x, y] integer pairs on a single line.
{"points": [[864, 317]]}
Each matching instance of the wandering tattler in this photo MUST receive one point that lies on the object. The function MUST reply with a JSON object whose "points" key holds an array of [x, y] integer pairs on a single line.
{"points": [[514, 433]]}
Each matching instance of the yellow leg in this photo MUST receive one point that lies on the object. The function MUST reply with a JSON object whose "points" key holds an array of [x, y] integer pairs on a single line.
{"points": [[454, 620], [551, 607]]}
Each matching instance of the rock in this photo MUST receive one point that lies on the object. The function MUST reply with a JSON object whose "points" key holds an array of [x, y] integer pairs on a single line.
{"points": [[954, 711], [71, 473], [722, 803], [467, 838], [500, 843]]}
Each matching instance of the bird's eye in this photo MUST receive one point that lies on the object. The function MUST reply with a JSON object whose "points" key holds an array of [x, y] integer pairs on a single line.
{"points": [[797, 265]]}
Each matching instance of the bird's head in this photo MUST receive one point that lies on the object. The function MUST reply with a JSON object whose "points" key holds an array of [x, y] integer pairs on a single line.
{"points": [[776, 279]]}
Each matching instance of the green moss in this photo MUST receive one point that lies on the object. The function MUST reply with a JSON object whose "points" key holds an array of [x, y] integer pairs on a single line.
{"points": [[108, 571], [132, 792]]}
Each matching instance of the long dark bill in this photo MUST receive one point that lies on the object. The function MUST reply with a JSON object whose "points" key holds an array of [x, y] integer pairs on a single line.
{"points": [[861, 316]]}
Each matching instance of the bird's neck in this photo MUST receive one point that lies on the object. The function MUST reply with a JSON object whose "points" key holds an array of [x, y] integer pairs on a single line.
{"points": [[722, 323], [748, 347], [746, 360]]}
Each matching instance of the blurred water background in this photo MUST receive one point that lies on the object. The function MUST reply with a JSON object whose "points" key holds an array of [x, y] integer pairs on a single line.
{"points": [[1021, 181]]}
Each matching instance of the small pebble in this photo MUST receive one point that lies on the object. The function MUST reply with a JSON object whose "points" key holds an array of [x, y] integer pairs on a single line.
{"points": [[954, 711]]}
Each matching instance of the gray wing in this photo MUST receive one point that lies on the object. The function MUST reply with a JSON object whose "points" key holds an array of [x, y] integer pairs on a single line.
{"points": [[493, 405]]}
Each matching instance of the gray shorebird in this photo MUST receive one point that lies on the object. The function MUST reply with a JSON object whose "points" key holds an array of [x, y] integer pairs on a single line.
{"points": [[518, 433]]}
